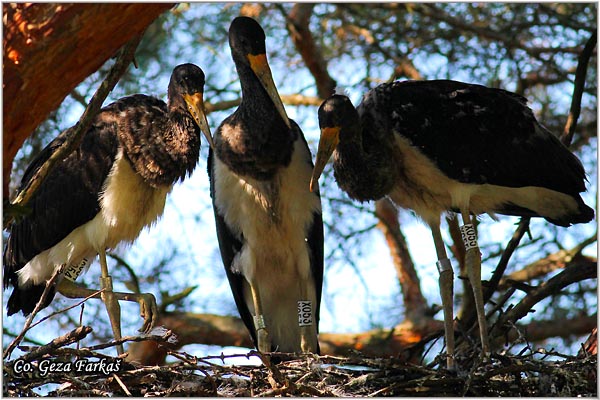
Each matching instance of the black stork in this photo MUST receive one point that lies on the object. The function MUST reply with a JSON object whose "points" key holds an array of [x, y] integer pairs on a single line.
{"points": [[104, 193], [438, 146], [268, 223]]}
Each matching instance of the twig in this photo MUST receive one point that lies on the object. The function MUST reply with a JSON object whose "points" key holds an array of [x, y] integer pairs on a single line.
{"points": [[38, 307], [67, 309], [580, 73], [71, 337], [27, 339], [77, 131], [137, 338], [512, 245], [120, 382], [134, 279], [573, 273]]}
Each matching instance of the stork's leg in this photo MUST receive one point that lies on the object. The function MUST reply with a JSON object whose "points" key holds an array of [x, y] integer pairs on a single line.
{"points": [[147, 302], [446, 282], [262, 335], [306, 322], [113, 308], [473, 265]]}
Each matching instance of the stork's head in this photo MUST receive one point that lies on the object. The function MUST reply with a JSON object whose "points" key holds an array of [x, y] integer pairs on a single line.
{"points": [[247, 42], [187, 81], [336, 116]]}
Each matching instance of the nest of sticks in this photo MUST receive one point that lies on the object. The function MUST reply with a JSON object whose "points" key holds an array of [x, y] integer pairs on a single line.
{"points": [[58, 369]]}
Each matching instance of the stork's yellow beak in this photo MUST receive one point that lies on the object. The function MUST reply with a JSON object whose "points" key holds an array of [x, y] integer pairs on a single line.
{"points": [[260, 66], [329, 140], [195, 104]]}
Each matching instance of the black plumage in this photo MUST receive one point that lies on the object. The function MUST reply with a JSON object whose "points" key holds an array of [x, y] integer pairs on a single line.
{"points": [[437, 146], [138, 144], [473, 134], [268, 224], [67, 199]]}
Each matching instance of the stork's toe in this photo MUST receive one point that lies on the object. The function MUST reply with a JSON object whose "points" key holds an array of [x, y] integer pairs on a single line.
{"points": [[148, 311]]}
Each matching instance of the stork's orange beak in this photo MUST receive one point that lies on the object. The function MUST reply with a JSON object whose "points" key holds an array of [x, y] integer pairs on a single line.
{"points": [[260, 66], [330, 137], [195, 104]]}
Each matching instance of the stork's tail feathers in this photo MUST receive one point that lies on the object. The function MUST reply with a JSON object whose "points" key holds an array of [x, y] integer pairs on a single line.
{"points": [[583, 215], [25, 299]]}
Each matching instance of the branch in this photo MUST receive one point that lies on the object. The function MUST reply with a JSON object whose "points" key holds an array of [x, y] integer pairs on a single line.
{"points": [[37, 308], [414, 302], [550, 263], [537, 331], [580, 74], [573, 273], [512, 245], [297, 24]]}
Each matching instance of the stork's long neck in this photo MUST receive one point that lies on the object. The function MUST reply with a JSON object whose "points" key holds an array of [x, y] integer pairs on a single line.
{"points": [[364, 165], [257, 108], [182, 143], [255, 141]]}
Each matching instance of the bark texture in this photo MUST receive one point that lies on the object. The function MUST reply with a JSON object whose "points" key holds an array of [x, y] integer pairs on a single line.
{"points": [[49, 48]]}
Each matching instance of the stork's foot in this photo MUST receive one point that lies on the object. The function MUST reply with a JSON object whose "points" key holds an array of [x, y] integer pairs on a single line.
{"points": [[148, 311], [147, 302]]}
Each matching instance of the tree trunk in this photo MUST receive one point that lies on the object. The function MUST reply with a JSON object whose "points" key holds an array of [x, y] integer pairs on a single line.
{"points": [[49, 49]]}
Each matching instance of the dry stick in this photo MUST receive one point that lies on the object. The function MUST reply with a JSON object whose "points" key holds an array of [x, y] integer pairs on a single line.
{"points": [[64, 340], [166, 337], [77, 131], [67, 309], [571, 274], [37, 308], [120, 382]]}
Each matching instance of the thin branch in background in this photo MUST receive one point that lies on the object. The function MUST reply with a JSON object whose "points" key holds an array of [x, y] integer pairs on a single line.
{"points": [[135, 282], [26, 339], [78, 97], [79, 303], [575, 272], [580, 74], [512, 245], [552, 262], [298, 26], [38, 307]]}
